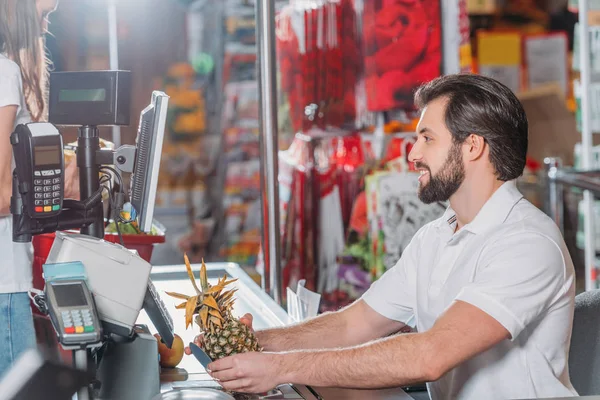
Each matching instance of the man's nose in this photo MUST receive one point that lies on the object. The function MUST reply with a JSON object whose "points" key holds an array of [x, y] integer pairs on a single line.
{"points": [[415, 153]]}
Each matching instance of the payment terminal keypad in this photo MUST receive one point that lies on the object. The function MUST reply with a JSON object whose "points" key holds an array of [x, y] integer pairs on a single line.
{"points": [[46, 188], [78, 321]]}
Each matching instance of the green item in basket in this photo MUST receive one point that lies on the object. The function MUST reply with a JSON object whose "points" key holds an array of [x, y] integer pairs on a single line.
{"points": [[129, 228]]}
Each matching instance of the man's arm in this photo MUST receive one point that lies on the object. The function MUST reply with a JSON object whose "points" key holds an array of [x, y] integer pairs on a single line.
{"points": [[7, 121], [358, 323], [459, 334]]}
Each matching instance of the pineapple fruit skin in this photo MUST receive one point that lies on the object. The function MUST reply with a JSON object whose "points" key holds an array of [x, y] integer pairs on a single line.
{"points": [[233, 338]]}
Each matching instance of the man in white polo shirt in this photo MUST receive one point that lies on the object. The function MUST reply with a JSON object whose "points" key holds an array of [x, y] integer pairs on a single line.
{"points": [[490, 284]]}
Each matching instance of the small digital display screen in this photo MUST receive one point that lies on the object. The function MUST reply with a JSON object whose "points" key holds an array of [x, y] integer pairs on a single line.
{"points": [[77, 95], [47, 155], [69, 295]]}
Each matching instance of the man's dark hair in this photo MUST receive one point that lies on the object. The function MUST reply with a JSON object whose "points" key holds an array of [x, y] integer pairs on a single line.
{"points": [[484, 107]]}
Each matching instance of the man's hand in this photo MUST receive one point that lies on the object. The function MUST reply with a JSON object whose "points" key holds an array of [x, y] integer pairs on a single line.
{"points": [[251, 372], [246, 320]]}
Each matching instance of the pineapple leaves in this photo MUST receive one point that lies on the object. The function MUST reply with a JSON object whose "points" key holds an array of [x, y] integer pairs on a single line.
{"points": [[227, 296], [215, 289], [204, 317], [203, 277], [211, 302], [211, 306], [190, 273], [178, 296], [216, 321], [229, 281], [189, 310], [215, 313]]}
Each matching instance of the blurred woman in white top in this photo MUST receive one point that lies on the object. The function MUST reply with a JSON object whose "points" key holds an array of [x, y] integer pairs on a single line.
{"points": [[23, 77]]}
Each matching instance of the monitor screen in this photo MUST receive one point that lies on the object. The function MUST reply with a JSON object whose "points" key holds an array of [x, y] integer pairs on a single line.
{"points": [[69, 295], [144, 180]]}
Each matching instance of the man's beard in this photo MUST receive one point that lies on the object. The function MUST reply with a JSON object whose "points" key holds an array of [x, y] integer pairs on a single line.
{"points": [[446, 182]]}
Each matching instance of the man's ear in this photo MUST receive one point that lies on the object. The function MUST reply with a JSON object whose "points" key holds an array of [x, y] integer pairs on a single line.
{"points": [[474, 147]]}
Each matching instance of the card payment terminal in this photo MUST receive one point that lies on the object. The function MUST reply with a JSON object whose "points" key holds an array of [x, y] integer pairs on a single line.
{"points": [[72, 310], [40, 164]]}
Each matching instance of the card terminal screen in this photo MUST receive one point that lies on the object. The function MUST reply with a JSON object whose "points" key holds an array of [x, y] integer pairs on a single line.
{"points": [[69, 295], [47, 155]]}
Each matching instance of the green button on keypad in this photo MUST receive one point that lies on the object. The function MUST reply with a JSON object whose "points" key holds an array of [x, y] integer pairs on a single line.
{"points": [[88, 329]]}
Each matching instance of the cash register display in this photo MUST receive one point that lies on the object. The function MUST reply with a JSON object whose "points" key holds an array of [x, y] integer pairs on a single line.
{"points": [[77, 95]]}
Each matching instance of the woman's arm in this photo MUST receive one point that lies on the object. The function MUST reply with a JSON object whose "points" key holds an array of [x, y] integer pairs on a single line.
{"points": [[72, 180], [8, 114]]}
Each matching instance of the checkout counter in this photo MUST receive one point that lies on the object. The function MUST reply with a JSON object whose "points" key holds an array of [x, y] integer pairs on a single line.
{"points": [[190, 376]]}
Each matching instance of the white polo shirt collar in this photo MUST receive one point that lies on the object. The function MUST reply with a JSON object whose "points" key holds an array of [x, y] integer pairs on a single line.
{"points": [[493, 213]]}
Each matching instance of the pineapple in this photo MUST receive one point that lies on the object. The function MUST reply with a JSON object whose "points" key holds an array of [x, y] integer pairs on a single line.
{"points": [[224, 335]]}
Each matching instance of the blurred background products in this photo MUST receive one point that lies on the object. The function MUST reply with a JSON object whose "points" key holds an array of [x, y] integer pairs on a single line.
{"points": [[346, 74]]}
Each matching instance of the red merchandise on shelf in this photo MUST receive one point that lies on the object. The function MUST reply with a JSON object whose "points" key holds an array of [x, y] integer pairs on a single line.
{"points": [[297, 213], [402, 44], [348, 156], [400, 146], [319, 55]]}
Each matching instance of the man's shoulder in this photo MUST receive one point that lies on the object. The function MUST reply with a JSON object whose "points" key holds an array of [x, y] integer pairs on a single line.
{"points": [[526, 218], [429, 228], [528, 234]]}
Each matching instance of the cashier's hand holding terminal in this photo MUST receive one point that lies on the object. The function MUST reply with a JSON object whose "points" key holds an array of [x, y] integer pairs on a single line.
{"points": [[489, 286]]}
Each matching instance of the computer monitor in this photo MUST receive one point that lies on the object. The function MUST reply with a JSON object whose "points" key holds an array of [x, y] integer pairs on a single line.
{"points": [[149, 143]]}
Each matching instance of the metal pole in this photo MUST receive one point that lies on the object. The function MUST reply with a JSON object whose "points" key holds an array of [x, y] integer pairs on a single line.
{"points": [[265, 34], [88, 143], [113, 50], [81, 362], [554, 198], [586, 141]]}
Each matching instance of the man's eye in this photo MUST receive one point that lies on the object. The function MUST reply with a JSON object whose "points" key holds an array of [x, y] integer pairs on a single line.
{"points": [[427, 138]]}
